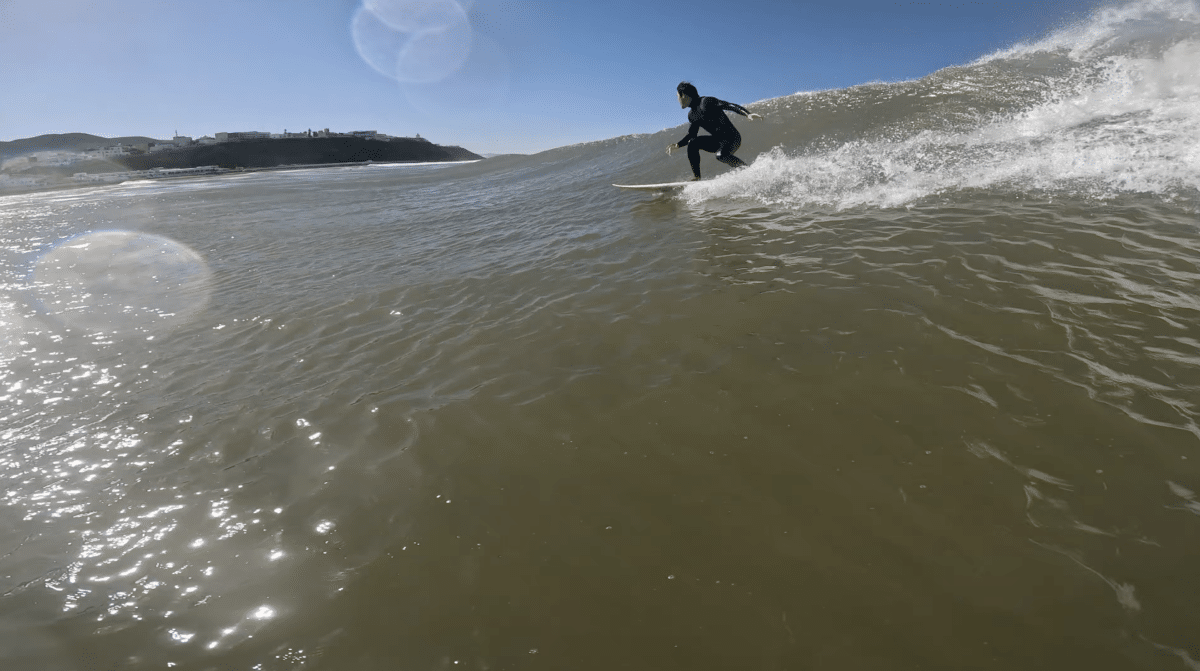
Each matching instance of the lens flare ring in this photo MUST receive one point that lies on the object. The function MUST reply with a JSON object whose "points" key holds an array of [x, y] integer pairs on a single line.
{"points": [[412, 41], [120, 282]]}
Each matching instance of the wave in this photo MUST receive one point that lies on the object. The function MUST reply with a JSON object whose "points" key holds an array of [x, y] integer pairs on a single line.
{"points": [[1107, 107], [1102, 108]]}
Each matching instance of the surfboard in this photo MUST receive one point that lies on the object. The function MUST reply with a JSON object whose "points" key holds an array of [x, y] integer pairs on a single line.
{"points": [[668, 186]]}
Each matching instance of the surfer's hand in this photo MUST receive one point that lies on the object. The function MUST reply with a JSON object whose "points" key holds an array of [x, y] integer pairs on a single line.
{"points": [[671, 147], [754, 117]]}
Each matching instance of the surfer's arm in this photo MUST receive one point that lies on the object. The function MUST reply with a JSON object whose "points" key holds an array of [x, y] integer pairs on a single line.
{"points": [[734, 107], [692, 131]]}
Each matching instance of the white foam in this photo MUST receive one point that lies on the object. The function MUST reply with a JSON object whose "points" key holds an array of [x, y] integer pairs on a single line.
{"points": [[1110, 28]]}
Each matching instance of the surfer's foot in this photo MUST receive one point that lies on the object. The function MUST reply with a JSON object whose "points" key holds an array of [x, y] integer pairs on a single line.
{"points": [[694, 179]]}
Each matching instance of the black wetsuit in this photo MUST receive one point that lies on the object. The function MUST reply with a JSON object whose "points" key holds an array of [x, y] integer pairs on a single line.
{"points": [[709, 113]]}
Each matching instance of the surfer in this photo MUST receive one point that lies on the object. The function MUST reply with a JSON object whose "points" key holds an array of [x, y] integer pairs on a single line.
{"points": [[709, 113]]}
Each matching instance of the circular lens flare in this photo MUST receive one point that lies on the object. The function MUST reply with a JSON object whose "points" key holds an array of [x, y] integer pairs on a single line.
{"points": [[412, 42], [415, 16], [121, 281], [376, 43], [478, 86], [434, 55]]}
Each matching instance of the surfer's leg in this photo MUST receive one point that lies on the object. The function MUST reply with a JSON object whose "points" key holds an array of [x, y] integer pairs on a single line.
{"points": [[705, 143], [725, 152], [731, 160]]}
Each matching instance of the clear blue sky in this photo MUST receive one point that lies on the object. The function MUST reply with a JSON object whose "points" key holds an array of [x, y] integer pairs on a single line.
{"points": [[536, 74]]}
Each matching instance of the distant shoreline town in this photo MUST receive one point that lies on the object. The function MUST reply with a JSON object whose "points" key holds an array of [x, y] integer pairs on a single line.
{"points": [[182, 141], [54, 161]]}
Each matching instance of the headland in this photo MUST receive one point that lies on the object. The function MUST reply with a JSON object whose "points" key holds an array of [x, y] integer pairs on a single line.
{"points": [[271, 153], [76, 159]]}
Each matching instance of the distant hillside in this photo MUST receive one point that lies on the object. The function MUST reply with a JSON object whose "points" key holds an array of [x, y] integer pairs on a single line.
{"points": [[65, 142], [296, 151]]}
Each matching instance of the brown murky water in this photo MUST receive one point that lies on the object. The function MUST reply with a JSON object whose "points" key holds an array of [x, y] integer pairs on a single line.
{"points": [[674, 436]]}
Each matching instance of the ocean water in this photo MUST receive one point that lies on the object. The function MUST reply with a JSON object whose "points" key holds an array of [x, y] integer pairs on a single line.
{"points": [[917, 389]]}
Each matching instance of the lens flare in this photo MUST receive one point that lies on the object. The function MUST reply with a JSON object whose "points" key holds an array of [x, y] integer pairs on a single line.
{"points": [[479, 85], [412, 42], [415, 16], [376, 43], [121, 282], [434, 55]]}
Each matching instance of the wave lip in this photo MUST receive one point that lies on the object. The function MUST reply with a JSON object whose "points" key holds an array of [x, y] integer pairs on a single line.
{"points": [[1113, 29]]}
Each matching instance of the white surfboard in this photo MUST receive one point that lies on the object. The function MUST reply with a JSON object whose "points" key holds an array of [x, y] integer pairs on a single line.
{"points": [[668, 186]]}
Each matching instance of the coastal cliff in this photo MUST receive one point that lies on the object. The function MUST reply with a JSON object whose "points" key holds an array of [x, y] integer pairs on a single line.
{"points": [[297, 151]]}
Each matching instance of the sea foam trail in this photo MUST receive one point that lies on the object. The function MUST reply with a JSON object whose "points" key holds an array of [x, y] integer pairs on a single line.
{"points": [[1108, 106]]}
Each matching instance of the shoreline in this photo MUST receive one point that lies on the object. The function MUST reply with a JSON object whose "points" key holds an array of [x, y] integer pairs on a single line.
{"points": [[224, 172], [307, 166]]}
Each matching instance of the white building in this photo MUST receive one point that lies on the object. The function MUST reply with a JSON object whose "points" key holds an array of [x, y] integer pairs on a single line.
{"points": [[87, 177], [55, 158], [108, 152]]}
